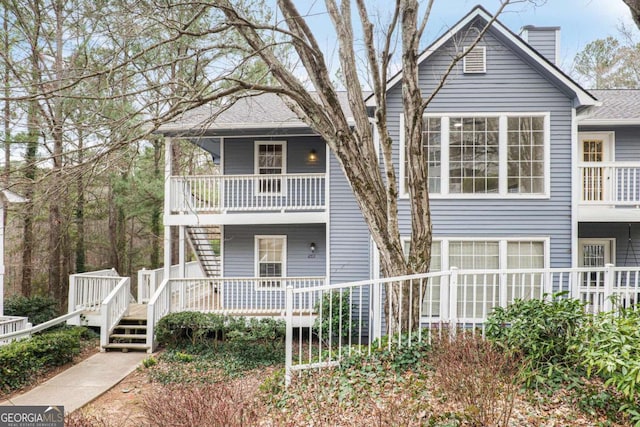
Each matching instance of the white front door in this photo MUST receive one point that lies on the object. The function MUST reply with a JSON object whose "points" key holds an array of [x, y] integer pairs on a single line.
{"points": [[595, 253], [595, 150]]}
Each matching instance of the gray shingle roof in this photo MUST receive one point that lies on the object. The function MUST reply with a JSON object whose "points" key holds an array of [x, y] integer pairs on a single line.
{"points": [[618, 106], [261, 111]]}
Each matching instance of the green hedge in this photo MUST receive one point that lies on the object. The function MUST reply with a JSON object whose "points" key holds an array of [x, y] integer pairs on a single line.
{"points": [[177, 330], [38, 308], [21, 361]]}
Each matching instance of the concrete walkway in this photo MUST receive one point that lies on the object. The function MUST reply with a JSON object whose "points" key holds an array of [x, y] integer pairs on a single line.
{"points": [[83, 382]]}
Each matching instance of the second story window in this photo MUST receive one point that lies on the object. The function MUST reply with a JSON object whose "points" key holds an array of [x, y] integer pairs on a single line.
{"points": [[473, 155], [270, 160], [494, 154]]}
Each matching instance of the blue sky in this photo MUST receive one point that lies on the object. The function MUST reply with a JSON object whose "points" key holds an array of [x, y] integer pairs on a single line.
{"points": [[581, 21]]}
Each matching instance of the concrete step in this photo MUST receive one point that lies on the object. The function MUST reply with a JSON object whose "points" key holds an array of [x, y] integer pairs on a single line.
{"points": [[128, 336], [126, 346]]}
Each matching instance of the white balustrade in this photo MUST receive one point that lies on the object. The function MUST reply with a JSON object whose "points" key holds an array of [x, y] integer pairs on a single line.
{"points": [[610, 183], [113, 308], [227, 193]]}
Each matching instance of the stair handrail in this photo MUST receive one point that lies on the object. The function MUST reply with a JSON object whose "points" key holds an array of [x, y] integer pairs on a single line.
{"points": [[113, 308], [159, 306], [196, 252], [40, 327]]}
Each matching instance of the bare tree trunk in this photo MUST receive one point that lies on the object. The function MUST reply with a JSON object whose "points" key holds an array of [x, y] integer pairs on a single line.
{"points": [[79, 214], [114, 255], [7, 93], [156, 210], [55, 218], [175, 236]]}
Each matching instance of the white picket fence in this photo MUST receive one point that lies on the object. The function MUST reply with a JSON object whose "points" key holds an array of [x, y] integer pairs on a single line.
{"points": [[355, 320]]}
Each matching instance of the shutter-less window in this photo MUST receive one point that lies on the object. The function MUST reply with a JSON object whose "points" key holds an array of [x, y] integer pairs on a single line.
{"points": [[476, 60]]}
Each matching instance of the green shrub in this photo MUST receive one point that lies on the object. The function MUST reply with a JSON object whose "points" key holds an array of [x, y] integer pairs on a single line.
{"points": [[335, 322], [21, 360], [609, 346], [193, 329], [38, 308], [542, 331], [189, 327]]}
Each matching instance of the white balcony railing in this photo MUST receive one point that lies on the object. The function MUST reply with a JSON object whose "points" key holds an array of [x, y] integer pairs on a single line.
{"points": [[610, 183], [223, 193]]}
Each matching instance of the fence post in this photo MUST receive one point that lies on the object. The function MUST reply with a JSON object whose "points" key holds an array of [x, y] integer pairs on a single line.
{"points": [[376, 308], [609, 279], [503, 286], [574, 284], [289, 335], [453, 300]]}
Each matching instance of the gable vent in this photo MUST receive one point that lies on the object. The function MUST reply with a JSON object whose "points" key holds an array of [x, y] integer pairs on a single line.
{"points": [[476, 60]]}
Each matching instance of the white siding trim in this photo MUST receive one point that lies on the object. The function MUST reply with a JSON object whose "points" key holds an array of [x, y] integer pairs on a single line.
{"points": [[221, 254], [575, 190]]}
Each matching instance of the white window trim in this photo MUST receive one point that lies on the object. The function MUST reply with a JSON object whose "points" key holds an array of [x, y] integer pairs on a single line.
{"points": [[256, 256], [502, 150], [257, 144], [611, 241], [256, 167], [609, 135], [502, 247]]}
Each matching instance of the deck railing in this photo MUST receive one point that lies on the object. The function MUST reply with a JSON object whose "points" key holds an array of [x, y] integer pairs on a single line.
{"points": [[10, 325], [88, 290], [228, 296], [113, 308], [28, 330], [353, 315], [611, 183], [223, 193], [149, 280]]}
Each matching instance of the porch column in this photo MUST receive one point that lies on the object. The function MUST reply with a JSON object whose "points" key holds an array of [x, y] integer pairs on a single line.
{"points": [[181, 250], [167, 207]]}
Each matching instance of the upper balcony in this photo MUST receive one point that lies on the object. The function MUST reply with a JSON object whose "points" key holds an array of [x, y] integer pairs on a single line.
{"points": [[245, 199], [610, 191]]}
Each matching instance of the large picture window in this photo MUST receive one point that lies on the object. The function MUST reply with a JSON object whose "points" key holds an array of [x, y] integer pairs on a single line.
{"points": [[271, 260], [525, 143], [473, 155], [492, 154]]}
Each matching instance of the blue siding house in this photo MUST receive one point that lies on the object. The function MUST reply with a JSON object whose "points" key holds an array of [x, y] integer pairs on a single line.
{"points": [[526, 170]]}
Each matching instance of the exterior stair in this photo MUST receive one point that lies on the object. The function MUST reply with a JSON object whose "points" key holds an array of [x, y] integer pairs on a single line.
{"points": [[202, 241], [131, 333]]}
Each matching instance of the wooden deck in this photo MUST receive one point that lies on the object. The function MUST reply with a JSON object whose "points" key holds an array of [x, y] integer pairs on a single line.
{"points": [[137, 312]]}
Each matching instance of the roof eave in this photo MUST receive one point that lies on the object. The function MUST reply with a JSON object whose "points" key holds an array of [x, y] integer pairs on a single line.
{"points": [[609, 122]]}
